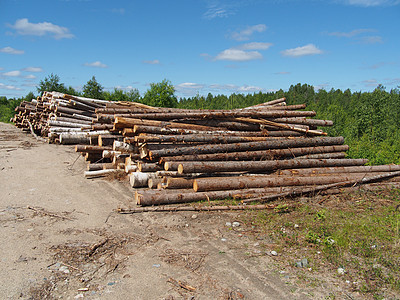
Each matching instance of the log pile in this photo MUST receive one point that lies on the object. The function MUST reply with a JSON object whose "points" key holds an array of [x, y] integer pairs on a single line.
{"points": [[60, 117], [179, 155]]}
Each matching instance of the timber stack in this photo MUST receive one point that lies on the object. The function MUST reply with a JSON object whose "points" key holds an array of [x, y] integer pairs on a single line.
{"points": [[184, 155]]}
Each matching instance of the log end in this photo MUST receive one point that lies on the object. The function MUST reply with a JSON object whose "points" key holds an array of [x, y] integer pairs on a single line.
{"points": [[180, 169], [195, 186]]}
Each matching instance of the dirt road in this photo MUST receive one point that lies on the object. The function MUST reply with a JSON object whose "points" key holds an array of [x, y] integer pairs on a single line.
{"points": [[61, 238]]}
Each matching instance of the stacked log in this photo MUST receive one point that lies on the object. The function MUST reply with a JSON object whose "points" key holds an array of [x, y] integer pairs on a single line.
{"points": [[60, 117], [180, 155]]}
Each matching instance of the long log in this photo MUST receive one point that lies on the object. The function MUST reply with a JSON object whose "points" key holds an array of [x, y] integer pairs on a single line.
{"points": [[146, 198], [323, 155], [252, 146], [352, 182], [175, 131], [304, 121], [261, 166], [121, 122], [224, 115], [91, 148], [248, 182], [333, 170], [195, 208], [257, 155], [101, 173], [196, 138]]}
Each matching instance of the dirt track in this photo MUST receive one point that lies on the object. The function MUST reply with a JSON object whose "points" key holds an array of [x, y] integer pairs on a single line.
{"points": [[69, 244]]}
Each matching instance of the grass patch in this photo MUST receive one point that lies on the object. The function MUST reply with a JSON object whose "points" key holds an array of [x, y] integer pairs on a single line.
{"points": [[358, 231]]}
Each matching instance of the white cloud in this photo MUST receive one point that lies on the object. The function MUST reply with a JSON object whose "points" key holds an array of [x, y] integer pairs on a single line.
{"points": [[238, 55], [96, 64], [32, 69], [30, 76], [23, 27], [282, 73], [249, 89], [10, 50], [9, 87], [372, 3], [12, 74], [152, 62], [245, 34], [217, 11], [371, 39], [254, 46], [351, 34], [309, 49], [190, 85]]}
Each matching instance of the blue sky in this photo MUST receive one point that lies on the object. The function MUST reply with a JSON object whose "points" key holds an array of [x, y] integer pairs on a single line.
{"points": [[201, 46]]}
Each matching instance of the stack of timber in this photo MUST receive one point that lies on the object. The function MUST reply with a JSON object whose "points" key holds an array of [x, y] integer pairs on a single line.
{"points": [[61, 118], [174, 155], [181, 155]]}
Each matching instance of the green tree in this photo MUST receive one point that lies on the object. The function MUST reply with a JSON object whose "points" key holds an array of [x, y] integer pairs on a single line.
{"points": [[120, 95], [93, 89], [51, 83], [161, 95]]}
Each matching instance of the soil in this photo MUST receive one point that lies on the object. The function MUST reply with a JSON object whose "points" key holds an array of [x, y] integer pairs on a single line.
{"points": [[62, 238]]}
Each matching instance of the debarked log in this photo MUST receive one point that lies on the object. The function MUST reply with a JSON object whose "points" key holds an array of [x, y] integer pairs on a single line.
{"points": [[251, 146], [261, 166], [100, 173]]}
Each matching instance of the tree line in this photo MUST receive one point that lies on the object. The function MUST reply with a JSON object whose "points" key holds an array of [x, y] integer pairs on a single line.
{"points": [[369, 121]]}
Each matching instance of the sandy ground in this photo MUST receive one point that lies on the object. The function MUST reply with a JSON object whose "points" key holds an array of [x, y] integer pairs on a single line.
{"points": [[61, 238]]}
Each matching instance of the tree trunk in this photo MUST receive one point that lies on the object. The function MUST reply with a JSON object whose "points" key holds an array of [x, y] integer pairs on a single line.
{"points": [[261, 166]]}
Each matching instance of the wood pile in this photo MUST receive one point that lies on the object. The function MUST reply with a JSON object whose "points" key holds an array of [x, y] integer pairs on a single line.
{"points": [[60, 118], [179, 155]]}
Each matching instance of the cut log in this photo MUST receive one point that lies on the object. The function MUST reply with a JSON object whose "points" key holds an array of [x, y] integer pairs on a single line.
{"points": [[251, 146], [261, 166], [140, 179], [243, 182], [257, 155]]}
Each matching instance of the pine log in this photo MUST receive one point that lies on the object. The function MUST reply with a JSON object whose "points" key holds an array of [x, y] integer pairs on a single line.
{"points": [[323, 155], [177, 183], [248, 182], [91, 148], [344, 170], [260, 166], [240, 147], [174, 131], [304, 121], [149, 167], [223, 115], [257, 155], [121, 122], [196, 138]]}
